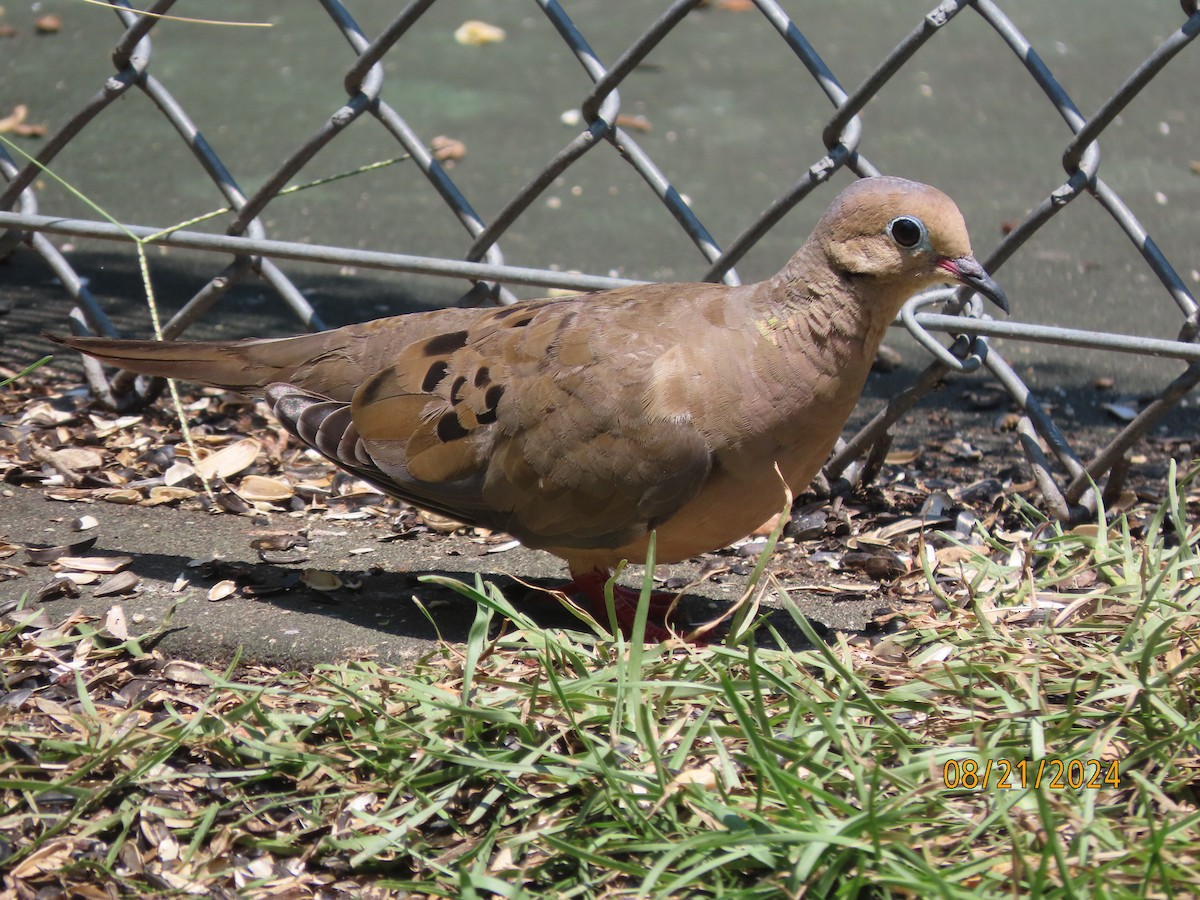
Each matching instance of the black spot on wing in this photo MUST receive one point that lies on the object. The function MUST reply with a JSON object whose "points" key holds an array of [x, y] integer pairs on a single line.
{"points": [[369, 392], [450, 429], [502, 314], [445, 343], [455, 397], [482, 376], [491, 401], [437, 371]]}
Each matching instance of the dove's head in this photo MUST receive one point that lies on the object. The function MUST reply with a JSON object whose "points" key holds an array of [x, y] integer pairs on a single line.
{"points": [[904, 236]]}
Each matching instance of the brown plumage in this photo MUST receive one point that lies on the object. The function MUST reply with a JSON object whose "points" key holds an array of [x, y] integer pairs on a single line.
{"points": [[580, 424]]}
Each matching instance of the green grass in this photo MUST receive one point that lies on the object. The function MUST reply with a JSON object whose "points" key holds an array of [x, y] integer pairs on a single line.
{"points": [[545, 763]]}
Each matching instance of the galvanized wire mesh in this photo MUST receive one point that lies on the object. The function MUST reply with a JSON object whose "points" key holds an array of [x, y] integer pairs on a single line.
{"points": [[1066, 480]]}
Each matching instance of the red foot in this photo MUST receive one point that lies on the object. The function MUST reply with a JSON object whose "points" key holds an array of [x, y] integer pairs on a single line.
{"points": [[625, 601]]}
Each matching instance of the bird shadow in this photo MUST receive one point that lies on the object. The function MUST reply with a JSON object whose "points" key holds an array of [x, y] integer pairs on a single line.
{"points": [[402, 608]]}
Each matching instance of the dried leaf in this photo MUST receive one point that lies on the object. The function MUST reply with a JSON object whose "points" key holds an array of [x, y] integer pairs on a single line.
{"points": [[705, 776], [51, 859]]}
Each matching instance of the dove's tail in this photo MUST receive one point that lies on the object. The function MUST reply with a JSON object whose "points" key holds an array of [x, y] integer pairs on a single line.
{"points": [[239, 365]]}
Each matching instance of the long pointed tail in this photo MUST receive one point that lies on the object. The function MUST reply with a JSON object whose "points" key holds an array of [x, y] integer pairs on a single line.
{"points": [[240, 365]]}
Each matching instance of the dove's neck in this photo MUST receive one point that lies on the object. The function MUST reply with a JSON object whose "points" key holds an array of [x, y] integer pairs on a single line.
{"points": [[834, 319]]}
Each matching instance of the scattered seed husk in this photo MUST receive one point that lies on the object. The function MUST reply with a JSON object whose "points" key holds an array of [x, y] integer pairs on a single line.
{"points": [[185, 672], [121, 583], [902, 457], [7, 572], [953, 554], [43, 414], [880, 565], [229, 460], [43, 556], [278, 541], [77, 458], [162, 493], [177, 473], [262, 487], [15, 123], [1120, 411], [80, 578], [124, 496], [103, 564], [222, 590], [501, 548], [634, 123], [320, 580], [440, 524], [114, 619], [71, 495], [231, 502], [56, 588], [84, 523], [447, 149]]}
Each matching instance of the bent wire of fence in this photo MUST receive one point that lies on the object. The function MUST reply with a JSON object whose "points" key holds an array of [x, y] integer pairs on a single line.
{"points": [[1070, 496]]}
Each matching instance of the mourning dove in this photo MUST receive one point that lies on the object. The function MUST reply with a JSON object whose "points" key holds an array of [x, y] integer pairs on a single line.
{"points": [[581, 424]]}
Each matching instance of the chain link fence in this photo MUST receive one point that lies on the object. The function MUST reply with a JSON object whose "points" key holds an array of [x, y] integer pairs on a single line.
{"points": [[1067, 481]]}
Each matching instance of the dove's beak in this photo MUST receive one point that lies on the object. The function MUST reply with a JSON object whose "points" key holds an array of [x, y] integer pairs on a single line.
{"points": [[968, 271]]}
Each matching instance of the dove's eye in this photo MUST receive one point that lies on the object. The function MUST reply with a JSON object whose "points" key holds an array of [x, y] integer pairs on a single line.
{"points": [[906, 231]]}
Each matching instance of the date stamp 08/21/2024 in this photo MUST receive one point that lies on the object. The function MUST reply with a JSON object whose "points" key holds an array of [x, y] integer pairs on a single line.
{"points": [[1051, 773]]}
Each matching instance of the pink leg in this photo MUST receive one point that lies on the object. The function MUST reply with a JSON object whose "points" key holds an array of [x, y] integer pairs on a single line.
{"points": [[625, 601]]}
